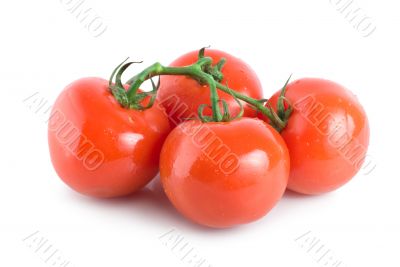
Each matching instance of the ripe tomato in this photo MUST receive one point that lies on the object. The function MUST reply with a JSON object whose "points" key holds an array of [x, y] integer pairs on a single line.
{"points": [[221, 174], [181, 96], [327, 135], [99, 148]]}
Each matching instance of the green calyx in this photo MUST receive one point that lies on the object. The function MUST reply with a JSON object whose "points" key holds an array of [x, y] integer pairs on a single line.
{"points": [[283, 113], [205, 73], [216, 70], [134, 101]]}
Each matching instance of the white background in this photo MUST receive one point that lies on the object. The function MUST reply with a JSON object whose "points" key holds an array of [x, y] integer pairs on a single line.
{"points": [[44, 47]]}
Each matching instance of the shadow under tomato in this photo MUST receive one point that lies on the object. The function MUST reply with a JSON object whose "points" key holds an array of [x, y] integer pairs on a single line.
{"points": [[289, 194], [294, 195], [153, 205]]}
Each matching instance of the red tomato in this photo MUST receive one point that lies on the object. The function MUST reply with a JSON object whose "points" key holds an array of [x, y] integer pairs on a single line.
{"points": [[181, 95], [221, 174], [99, 148], [327, 135]]}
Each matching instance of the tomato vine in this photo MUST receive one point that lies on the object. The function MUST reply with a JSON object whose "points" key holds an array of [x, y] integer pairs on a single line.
{"points": [[205, 73]]}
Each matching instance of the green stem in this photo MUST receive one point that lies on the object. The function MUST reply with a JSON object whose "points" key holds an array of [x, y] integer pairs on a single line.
{"points": [[194, 70], [198, 71], [277, 122]]}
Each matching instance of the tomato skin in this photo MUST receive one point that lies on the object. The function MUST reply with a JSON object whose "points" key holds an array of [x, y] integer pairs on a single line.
{"points": [[320, 155], [203, 190], [99, 148], [189, 94]]}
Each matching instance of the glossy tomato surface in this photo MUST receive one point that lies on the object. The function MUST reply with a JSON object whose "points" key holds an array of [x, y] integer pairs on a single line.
{"points": [[181, 95], [99, 148], [224, 174], [327, 135]]}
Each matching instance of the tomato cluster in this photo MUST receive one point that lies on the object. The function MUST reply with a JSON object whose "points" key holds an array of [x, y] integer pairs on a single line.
{"points": [[225, 154]]}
